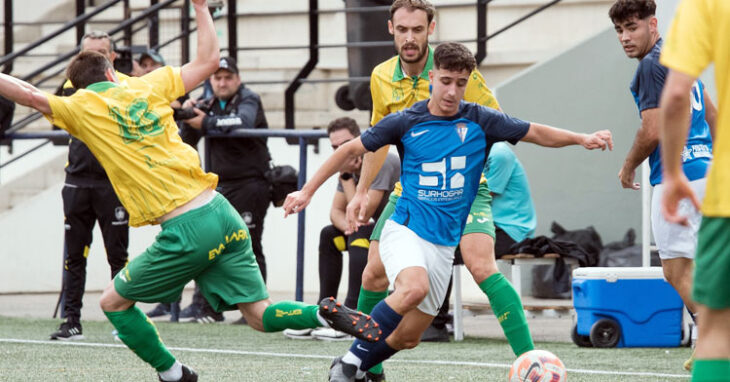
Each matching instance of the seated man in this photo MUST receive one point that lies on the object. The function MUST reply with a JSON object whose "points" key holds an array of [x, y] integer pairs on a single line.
{"points": [[512, 208], [333, 241]]}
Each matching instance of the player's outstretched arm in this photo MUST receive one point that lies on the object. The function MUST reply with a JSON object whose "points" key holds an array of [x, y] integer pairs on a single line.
{"points": [[673, 124], [298, 200], [206, 60], [357, 207], [548, 136], [24, 93]]}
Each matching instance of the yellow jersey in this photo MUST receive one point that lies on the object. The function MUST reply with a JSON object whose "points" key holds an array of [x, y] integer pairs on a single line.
{"points": [[128, 126], [699, 35], [393, 91]]}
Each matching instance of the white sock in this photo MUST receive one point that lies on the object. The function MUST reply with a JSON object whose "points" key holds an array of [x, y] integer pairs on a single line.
{"points": [[172, 374], [352, 359], [323, 321]]}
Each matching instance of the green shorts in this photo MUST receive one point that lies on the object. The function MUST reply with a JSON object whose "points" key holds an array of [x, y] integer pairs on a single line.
{"points": [[479, 220], [210, 245], [712, 263]]}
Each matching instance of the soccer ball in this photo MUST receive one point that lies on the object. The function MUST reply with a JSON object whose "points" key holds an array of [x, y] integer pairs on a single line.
{"points": [[538, 366]]}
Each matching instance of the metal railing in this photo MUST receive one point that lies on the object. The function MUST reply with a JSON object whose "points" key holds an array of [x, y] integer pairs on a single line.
{"points": [[300, 137]]}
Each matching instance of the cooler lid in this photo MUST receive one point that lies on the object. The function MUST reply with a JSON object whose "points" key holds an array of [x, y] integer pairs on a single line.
{"points": [[618, 273]]}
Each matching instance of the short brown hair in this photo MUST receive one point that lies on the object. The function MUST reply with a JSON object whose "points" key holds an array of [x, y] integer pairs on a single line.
{"points": [[454, 57], [87, 68], [413, 4], [344, 123], [624, 10]]}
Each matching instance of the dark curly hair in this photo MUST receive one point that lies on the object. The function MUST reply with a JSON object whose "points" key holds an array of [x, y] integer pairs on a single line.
{"points": [[623, 10]]}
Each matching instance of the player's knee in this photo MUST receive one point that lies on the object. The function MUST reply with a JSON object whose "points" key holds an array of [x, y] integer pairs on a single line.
{"points": [[410, 343], [482, 270], [412, 295], [111, 301], [374, 281]]}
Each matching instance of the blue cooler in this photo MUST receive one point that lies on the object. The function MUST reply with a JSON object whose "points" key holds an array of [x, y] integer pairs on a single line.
{"points": [[625, 307]]}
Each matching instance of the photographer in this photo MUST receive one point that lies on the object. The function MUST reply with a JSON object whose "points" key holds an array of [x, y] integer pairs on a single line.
{"points": [[241, 163]]}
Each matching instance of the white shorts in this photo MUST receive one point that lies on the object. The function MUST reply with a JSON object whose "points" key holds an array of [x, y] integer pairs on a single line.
{"points": [[401, 248], [674, 240]]}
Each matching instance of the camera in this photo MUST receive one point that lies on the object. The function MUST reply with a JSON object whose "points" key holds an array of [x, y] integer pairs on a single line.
{"points": [[185, 113]]}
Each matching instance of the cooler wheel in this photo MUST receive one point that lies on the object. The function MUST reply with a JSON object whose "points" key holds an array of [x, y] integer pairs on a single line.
{"points": [[580, 340], [605, 333]]}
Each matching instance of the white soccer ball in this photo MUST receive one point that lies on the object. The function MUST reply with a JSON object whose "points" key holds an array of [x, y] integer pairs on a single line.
{"points": [[538, 366]]}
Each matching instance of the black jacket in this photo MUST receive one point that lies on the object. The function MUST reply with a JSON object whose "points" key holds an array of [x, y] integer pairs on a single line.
{"points": [[233, 158], [82, 169]]}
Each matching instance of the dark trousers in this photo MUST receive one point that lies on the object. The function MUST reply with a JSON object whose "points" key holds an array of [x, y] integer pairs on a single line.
{"points": [[502, 243], [251, 198], [82, 207], [330, 262]]}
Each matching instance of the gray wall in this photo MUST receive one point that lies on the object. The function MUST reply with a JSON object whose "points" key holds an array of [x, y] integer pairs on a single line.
{"points": [[583, 89]]}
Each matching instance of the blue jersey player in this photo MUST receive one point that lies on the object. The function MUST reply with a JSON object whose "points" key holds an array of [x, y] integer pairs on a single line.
{"points": [[636, 27], [443, 144]]}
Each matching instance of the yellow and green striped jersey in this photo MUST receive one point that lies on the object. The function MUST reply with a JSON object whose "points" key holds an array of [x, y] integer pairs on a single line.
{"points": [[393, 91], [128, 126]]}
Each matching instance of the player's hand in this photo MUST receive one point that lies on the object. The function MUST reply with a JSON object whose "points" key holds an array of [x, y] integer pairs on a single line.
{"points": [[200, 2], [188, 103], [296, 202], [599, 140], [677, 188], [197, 121], [355, 212], [626, 177]]}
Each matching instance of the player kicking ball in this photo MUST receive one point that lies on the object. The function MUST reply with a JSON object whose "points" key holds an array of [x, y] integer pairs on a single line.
{"points": [[443, 143], [159, 181]]}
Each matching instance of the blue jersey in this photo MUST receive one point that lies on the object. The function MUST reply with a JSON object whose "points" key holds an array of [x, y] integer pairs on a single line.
{"points": [[647, 90], [441, 163]]}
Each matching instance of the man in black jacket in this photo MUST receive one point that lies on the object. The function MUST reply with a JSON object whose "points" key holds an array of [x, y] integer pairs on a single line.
{"points": [[241, 163], [88, 196]]}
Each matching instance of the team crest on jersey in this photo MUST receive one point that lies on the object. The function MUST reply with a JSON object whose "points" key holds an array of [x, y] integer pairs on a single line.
{"points": [[461, 129]]}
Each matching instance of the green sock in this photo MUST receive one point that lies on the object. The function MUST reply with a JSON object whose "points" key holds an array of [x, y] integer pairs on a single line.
{"points": [[141, 336], [710, 370], [367, 300], [507, 306], [365, 303], [290, 315]]}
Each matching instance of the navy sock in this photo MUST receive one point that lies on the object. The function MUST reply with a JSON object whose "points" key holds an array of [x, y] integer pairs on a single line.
{"points": [[388, 320], [379, 353]]}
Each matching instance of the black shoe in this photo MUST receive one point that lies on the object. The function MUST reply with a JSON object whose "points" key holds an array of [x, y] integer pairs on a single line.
{"points": [[190, 311], [240, 321], [68, 332], [159, 311], [208, 317], [341, 371], [352, 322], [188, 375], [434, 334], [372, 377], [175, 312]]}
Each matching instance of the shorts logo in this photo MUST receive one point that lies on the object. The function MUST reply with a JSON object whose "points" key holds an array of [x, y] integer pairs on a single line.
{"points": [[235, 236], [120, 213], [247, 217]]}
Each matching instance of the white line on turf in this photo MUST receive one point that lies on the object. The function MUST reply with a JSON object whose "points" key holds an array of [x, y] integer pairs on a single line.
{"points": [[328, 357]]}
